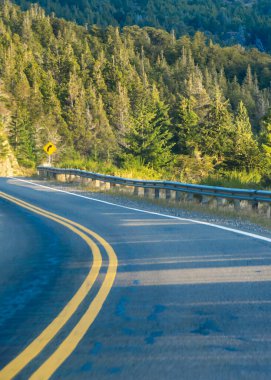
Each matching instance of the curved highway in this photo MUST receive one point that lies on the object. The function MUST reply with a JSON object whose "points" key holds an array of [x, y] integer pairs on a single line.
{"points": [[90, 289]]}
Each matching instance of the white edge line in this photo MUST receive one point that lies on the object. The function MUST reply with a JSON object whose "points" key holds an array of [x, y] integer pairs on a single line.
{"points": [[240, 232]]}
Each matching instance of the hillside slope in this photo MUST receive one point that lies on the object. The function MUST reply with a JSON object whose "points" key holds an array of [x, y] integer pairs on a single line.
{"points": [[247, 22], [8, 165], [140, 95]]}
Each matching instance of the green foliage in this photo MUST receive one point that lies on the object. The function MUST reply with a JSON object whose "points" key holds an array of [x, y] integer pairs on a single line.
{"points": [[134, 168], [246, 154], [192, 169], [186, 125], [265, 135], [172, 107], [21, 137], [3, 142], [243, 22], [235, 179], [214, 133], [149, 137]]}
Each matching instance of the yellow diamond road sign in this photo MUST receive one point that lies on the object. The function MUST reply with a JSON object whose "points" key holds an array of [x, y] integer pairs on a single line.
{"points": [[49, 148]]}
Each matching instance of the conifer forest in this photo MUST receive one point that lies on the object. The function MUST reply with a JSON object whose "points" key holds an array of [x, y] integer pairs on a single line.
{"points": [[172, 96]]}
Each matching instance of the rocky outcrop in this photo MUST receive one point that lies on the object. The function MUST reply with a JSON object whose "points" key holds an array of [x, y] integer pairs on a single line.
{"points": [[9, 165]]}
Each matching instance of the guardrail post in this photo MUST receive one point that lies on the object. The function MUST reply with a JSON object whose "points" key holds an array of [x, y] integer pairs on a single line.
{"points": [[168, 194], [104, 185], [60, 177], [136, 191], [71, 178], [48, 175], [115, 186], [78, 178], [264, 209], [206, 200], [221, 202], [173, 195], [86, 181], [254, 205], [179, 196], [129, 189], [140, 191], [245, 205], [96, 183], [40, 173], [149, 193], [43, 174], [190, 197], [159, 193], [237, 205], [162, 194], [146, 192]]}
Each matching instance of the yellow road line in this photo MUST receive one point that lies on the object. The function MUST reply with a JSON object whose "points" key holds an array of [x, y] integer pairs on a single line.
{"points": [[66, 348], [103, 242], [36, 346]]}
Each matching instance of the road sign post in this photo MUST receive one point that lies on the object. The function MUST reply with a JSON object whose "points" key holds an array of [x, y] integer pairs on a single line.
{"points": [[49, 149]]}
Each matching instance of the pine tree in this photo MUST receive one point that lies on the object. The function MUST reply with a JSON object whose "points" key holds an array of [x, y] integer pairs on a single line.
{"points": [[101, 141], [245, 153], [195, 88], [22, 137], [186, 126], [120, 113], [248, 81], [214, 133], [265, 135], [149, 136]]}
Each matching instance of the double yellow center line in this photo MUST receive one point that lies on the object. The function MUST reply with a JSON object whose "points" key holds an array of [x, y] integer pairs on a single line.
{"points": [[64, 350]]}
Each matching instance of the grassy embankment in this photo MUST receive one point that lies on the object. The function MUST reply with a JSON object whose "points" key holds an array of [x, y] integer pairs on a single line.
{"points": [[234, 179]]}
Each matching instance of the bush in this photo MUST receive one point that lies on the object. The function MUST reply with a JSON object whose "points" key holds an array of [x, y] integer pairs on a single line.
{"points": [[73, 164], [192, 169], [235, 179], [133, 167], [26, 163], [186, 169]]}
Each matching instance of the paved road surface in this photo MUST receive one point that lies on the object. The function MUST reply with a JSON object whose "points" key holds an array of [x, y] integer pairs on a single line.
{"points": [[189, 301]]}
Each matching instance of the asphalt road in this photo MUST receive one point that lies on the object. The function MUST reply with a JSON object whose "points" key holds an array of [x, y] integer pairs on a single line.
{"points": [[189, 301]]}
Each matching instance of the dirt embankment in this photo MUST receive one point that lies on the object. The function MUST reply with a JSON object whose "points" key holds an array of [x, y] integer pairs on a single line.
{"points": [[9, 165]]}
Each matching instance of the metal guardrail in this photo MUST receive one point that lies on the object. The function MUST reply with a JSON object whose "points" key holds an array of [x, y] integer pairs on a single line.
{"points": [[253, 196]]}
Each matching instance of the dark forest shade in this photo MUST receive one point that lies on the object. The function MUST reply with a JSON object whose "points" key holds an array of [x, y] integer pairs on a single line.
{"points": [[246, 22]]}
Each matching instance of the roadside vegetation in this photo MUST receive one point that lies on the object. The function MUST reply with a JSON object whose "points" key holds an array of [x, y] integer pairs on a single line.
{"points": [[136, 102], [233, 179]]}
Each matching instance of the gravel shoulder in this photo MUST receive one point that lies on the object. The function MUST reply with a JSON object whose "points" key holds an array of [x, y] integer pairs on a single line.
{"points": [[252, 223]]}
